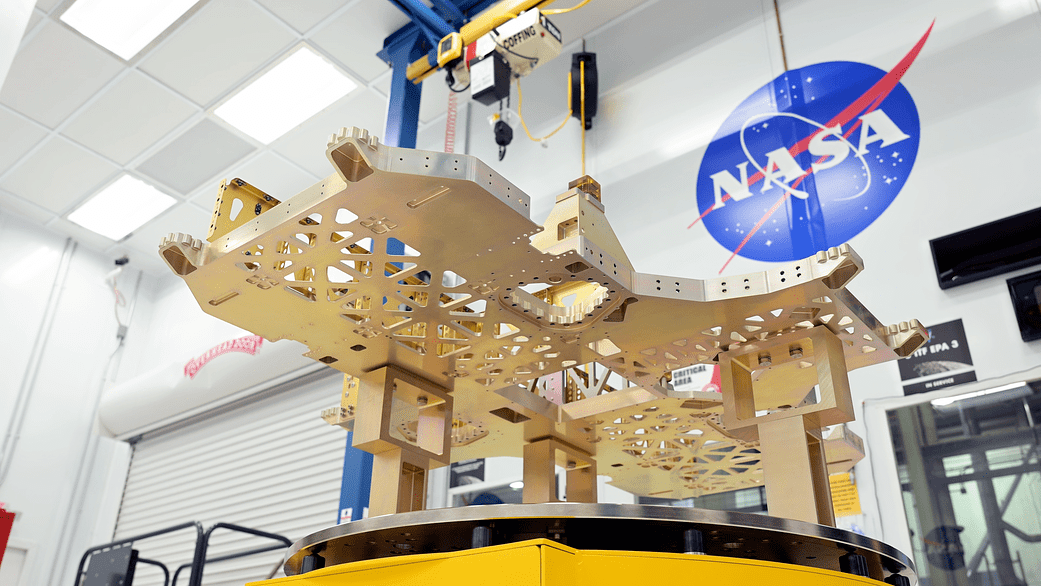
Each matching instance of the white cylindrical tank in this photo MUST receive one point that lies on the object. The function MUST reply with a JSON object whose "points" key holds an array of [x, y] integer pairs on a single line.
{"points": [[191, 385]]}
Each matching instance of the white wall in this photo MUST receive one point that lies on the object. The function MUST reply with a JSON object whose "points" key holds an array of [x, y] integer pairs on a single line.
{"points": [[170, 326], [66, 481], [56, 441]]}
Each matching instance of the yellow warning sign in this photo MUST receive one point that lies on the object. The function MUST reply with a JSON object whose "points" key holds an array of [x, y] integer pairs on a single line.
{"points": [[844, 496]]}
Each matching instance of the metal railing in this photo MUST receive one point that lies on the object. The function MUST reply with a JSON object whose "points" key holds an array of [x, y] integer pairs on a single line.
{"points": [[199, 559]]}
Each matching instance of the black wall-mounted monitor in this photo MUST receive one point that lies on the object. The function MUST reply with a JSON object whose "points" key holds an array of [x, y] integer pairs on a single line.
{"points": [[985, 251], [1026, 299]]}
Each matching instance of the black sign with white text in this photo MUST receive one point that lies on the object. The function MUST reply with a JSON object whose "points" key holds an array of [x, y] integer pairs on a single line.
{"points": [[940, 383], [944, 361]]}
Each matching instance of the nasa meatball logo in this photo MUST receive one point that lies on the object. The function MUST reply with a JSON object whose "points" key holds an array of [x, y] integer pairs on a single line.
{"points": [[809, 160]]}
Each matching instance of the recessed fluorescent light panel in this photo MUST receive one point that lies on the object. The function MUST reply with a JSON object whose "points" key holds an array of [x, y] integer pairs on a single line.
{"points": [[124, 26], [121, 208], [299, 87]]}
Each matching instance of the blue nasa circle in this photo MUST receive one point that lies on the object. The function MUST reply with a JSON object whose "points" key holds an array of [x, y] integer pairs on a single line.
{"points": [[829, 206]]}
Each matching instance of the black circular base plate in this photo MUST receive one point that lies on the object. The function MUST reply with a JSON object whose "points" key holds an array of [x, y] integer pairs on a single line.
{"points": [[599, 527]]}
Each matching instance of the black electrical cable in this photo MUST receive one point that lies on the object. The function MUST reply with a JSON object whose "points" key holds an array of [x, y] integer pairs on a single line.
{"points": [[450, 81]]}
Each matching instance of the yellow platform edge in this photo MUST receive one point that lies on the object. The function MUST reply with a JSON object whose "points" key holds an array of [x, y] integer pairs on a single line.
{"points": [[542, 562]]}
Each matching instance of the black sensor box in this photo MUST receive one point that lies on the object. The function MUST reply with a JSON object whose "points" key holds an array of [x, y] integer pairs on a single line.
{"points": [[490, 79]]}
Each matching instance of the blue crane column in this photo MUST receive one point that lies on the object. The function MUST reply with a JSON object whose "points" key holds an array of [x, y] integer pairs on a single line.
{"points": [[407, 44], [401, 48]]}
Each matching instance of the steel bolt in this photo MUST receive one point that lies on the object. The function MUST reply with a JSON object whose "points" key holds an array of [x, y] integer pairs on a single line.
{"points": [[854, 563], [481, 537], [422, 401], [311, 563], [764, 359], [693, 542], [795, 351]]}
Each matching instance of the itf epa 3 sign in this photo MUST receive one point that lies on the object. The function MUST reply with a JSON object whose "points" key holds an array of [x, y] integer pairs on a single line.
{"points": [[809, 160]]}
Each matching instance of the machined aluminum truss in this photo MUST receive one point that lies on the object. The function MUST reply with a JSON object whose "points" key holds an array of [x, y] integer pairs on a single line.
{"points": [[468, 330]]}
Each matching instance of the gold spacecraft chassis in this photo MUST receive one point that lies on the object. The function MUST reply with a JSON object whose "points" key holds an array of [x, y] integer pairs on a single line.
{"points": [[449, 354]]}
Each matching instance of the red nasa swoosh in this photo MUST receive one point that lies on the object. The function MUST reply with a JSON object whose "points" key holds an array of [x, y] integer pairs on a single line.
{"points": [[866, 103]]}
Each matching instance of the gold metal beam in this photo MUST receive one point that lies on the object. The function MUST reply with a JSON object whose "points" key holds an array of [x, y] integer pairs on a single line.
{"points": [[459, 319], [792, 451]]}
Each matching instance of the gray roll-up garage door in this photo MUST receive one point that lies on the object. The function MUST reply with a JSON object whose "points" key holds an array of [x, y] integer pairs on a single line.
{"points": [[272, 465]]}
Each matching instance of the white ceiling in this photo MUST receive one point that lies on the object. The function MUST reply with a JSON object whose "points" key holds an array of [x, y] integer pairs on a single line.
{"points": [[74, 117]]}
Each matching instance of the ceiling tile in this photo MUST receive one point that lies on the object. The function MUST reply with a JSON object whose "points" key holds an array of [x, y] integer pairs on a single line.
{"points": [[270, 173], [128, 118], [306, 144], [55, 73], [223, 43], [198, 155], [356, 35], [206, 196], [58, 175], [303, 15], [16, 205], [19, 134], [183, 217], [47, 5], [34, 19]]}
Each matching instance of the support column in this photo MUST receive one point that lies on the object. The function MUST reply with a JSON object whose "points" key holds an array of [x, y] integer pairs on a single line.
{"points": [[399, 483], [795, 470], [357, 464], [400, 131], [540, 460], [765, 397], [399, 468], [581, 483], [540, 484], [819, 475]]}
